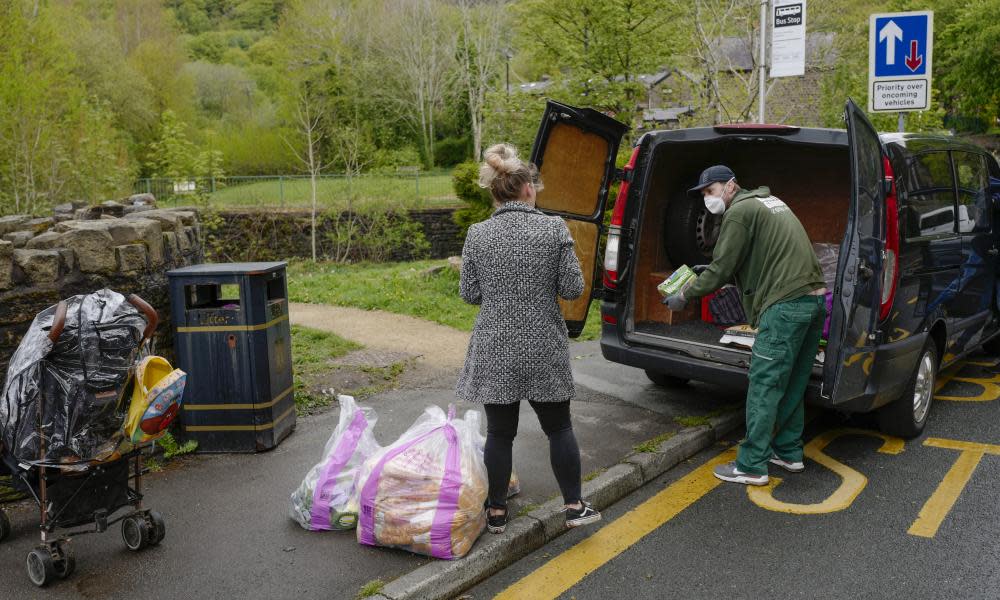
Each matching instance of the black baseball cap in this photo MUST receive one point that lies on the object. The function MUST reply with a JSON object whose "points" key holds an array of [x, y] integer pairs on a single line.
{"points": [[713, 174]]}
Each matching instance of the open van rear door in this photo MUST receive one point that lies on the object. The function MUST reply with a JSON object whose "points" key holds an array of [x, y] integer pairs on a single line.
{"points": [[575, 152], [850, 352]]}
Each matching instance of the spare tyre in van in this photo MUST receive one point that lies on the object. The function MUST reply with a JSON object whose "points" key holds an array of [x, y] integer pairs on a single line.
{"points": [[690, 231]]}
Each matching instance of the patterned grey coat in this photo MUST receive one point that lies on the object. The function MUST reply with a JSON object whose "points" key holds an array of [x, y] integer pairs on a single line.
{"points": [[514, 265]]}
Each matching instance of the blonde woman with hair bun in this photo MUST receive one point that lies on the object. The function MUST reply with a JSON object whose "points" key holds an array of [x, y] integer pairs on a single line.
{"points": [[515, 266]]}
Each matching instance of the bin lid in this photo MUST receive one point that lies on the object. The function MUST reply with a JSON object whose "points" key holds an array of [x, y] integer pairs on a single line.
{"points": [[247, 268]]}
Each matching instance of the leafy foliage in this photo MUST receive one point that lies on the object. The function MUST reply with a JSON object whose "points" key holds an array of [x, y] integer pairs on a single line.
{"points": [[90, 88], [478, 203]]}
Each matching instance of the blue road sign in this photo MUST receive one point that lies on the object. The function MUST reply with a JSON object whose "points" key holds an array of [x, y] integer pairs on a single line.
{"points": [[901, 45]]}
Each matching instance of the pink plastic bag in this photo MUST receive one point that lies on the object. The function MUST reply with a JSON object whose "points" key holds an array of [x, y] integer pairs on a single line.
{"points": [[327, 497], [425, 493]]}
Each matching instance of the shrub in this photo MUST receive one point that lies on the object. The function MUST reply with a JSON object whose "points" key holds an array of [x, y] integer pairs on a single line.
{"points": [[376, 234], [451, 151], [478, 203]]}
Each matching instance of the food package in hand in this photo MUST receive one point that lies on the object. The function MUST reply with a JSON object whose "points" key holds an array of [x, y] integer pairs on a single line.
{"points": [[679, 280], [327, 499], [425, 493]]}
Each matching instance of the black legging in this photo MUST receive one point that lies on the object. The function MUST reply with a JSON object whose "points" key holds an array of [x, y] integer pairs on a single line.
{"points": [[564, 453]]}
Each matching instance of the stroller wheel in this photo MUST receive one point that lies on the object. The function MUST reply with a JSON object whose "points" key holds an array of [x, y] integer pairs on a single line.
{"points": [[41, 571], [135, 533], [158, 528], [4, 526], [64, 562]]}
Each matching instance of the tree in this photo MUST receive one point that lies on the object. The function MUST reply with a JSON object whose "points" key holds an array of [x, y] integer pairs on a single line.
{"points": [[970, 62], [597, 48], [722, 29], [308, 116], [416, 49], [56, 141], [483, 38]]}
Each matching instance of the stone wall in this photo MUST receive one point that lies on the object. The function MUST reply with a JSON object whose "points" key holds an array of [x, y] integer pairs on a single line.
{"points": [[79, 250], [257, 235]]}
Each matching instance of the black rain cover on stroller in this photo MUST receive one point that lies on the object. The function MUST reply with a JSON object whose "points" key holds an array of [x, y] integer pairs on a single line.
{"points": [[78, 383]]}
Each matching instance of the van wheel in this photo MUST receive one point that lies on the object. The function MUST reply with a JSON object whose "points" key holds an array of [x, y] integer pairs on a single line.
{"points": [[662, 379], [690, 231], [906, 416]]}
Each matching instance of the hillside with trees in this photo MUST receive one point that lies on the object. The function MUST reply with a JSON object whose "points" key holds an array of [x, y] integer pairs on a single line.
{"points": [[97, 93]]}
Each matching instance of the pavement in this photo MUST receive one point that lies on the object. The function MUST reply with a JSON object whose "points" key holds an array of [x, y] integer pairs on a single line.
{"points": [[228, 533], [871, 517]]}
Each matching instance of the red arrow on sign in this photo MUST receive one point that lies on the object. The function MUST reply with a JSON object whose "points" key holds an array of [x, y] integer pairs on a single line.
{"points": [[913, 61]]}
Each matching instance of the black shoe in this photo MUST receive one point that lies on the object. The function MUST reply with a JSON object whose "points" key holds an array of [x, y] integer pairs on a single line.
{"points": [[584, 516], [496, 523]]}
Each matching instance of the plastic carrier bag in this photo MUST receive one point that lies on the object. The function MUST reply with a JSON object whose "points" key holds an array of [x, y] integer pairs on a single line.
{"points": [[72, 394], [425, 493], [327, 498]]}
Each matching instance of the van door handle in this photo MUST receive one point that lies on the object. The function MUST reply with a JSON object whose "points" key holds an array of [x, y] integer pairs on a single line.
{"points": [[993, 251]]}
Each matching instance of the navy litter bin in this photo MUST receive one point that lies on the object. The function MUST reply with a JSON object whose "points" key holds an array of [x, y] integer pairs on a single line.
{"points": [[233, 339]]}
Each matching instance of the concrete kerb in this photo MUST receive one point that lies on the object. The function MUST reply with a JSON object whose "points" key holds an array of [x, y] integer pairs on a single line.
{"points": [[447, 579]]}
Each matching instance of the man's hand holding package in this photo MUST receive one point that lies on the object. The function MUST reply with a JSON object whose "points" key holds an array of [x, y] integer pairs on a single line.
{"points": [[676, 302]]}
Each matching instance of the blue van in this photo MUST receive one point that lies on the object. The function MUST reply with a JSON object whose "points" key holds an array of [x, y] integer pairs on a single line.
{"points": [[905, 223]]}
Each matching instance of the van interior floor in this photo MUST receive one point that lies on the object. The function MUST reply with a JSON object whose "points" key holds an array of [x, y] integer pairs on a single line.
{"points": [[689, 331]]}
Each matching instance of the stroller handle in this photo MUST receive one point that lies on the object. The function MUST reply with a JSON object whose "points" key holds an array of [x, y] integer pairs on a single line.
{"points": [[58, 322], [152, 318]]}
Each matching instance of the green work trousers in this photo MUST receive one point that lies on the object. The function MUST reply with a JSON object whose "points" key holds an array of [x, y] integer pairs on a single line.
{"points": [[783, 355]]}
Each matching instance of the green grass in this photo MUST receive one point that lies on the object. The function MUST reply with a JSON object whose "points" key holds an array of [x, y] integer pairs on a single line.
{"points": [[371, 588], [400, 288], [429, 190], [311, 352], [698, 421], [653, 444]]}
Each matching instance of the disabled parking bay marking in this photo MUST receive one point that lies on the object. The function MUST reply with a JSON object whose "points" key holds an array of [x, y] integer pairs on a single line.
{"points": [[567, 569], [944, 497], [990, 384], [852, 482]]}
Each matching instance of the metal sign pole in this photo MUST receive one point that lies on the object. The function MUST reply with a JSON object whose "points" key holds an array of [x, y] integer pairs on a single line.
{"points": [[763, 60], [902, 122]]}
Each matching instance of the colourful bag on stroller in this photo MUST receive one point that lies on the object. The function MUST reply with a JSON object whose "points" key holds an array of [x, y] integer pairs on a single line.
{"points": [[156, 399]]}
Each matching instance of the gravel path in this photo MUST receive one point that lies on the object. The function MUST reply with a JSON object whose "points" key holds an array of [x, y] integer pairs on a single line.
{"points": [[435, 345]]}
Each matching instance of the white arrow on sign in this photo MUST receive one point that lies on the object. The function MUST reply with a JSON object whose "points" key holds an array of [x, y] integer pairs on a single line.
{"points": [[890, 34]]}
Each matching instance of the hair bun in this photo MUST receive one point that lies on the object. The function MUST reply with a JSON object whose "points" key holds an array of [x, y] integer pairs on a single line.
{"points": [[500, 160], [494, 160]]}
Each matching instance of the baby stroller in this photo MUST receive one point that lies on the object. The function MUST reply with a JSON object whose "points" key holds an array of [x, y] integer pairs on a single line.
{"points": [[64, 402]]}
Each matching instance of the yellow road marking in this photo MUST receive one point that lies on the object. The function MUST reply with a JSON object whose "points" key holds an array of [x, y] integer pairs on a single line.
{"points": [[944, 497], [990, 385], [566, 570], [983, 363], [852, 482]]}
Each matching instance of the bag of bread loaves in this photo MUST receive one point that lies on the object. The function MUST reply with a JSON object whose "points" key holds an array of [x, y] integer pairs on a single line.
{"points": [[425, 493], [327, 498]]}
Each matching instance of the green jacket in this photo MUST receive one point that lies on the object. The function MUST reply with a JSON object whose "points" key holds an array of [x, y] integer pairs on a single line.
{"points": [[764, 249]]}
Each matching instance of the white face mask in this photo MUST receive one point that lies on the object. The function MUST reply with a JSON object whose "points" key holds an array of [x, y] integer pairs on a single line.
{"points": [[715, 204]]}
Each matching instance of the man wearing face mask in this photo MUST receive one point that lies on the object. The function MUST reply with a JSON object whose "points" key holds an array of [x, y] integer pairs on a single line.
{"points": [[766, 252]]}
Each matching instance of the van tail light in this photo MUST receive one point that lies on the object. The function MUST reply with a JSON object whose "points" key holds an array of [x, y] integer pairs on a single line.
{"points": [[615, 230], [890, 271]]}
